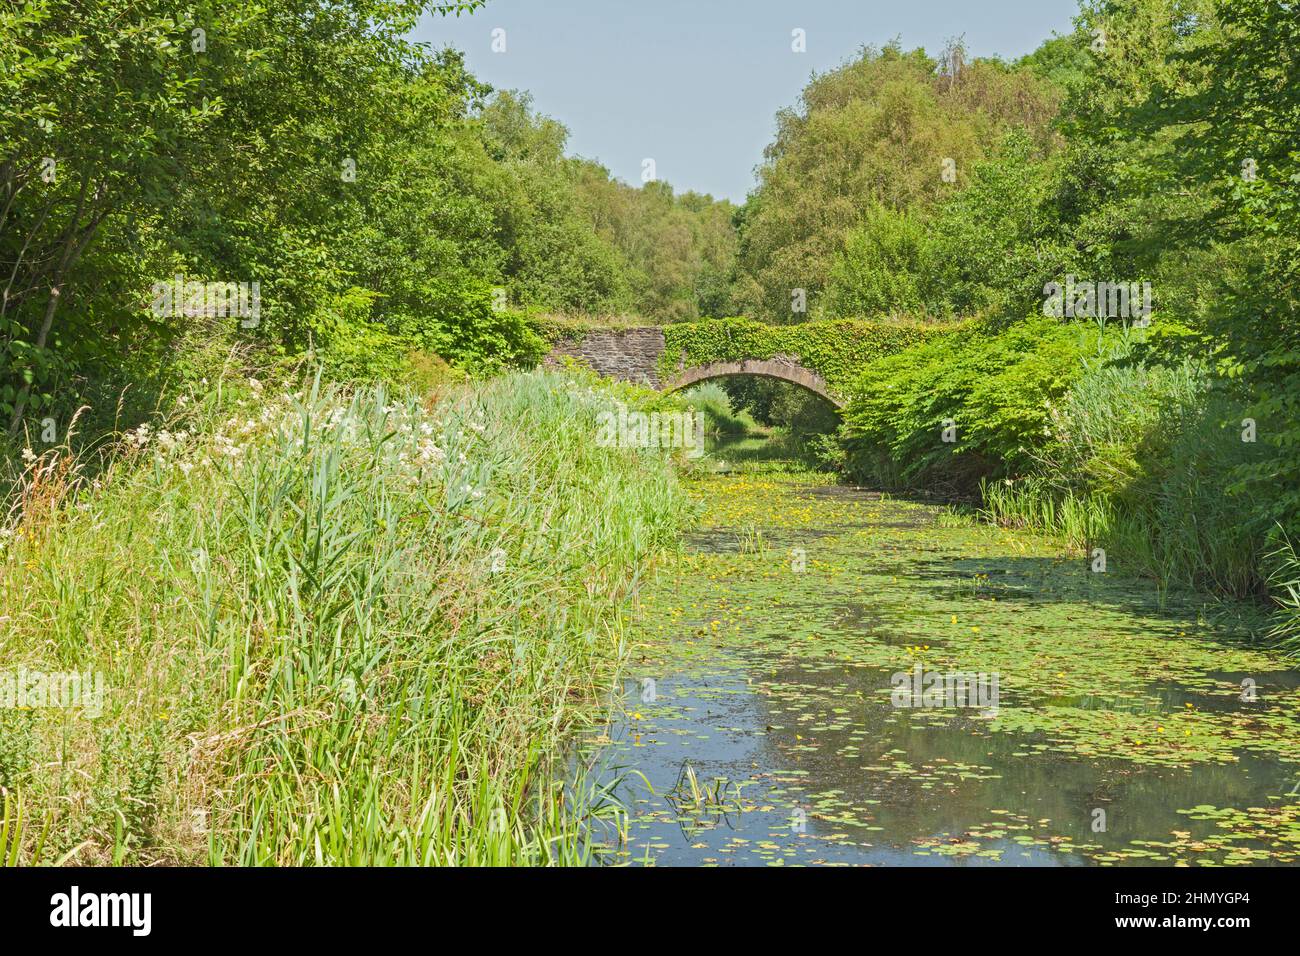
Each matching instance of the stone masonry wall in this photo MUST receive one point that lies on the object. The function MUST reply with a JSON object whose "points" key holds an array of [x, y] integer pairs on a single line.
{"points": [[628, 354]]}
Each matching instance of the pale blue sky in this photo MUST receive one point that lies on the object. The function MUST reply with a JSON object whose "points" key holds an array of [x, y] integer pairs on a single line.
{"points": [[696, 84]]}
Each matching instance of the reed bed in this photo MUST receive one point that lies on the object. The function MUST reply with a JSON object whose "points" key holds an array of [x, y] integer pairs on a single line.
{"points": [[335, 628]]}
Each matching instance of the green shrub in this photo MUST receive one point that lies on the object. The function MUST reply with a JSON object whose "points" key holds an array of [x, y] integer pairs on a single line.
{"points": [[1111, 412], [1115, 438], [992, 388], [473, 332], [1205, 533], [1159, 442], [885, 268], [357, 341], [351, 344]]}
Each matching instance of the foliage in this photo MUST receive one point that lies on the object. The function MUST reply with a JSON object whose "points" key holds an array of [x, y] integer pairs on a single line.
{"points": [[1178, 167], [1232, 132], [836, 350], [991, 391], [677, 250], [356, 629], [1166, 103], [90, 133], [384, 202], [712, 401], [1284, 582], [885, 268], [1069, 430], [870, 134], [211, 143]]}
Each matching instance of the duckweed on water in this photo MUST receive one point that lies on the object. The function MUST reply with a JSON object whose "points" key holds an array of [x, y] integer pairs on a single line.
{"points": [[777, 681]]}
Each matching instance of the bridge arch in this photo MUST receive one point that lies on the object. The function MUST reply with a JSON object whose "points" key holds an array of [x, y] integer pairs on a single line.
{"points": [[785, 370], [824, 357]]}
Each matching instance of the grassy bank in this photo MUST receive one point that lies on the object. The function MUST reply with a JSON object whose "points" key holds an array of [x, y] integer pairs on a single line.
{"points": [[1119, 439], [333, 628]]}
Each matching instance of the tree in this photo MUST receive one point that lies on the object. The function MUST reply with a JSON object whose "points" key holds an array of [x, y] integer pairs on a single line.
{"points": [[876, 132], [1236, 131], [90, 130], [207, 139]]}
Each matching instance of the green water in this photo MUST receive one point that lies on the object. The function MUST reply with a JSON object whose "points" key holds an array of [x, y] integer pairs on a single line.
{"points": [[758, 722]]}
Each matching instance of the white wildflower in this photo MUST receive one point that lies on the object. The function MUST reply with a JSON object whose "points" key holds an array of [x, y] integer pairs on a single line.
{"points": [[431, 453]]}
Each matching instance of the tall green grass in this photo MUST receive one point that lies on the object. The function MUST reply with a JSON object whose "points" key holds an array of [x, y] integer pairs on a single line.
{"points": [[712, 401], [1084, 521], [1284, 584], [1141, 460], [335, 628]]}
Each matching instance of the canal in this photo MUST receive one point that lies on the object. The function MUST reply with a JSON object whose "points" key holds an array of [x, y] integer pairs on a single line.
{"points": [[761, 720]]}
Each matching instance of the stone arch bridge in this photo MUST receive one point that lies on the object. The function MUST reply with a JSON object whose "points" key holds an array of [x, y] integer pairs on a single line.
{"points": [[821, 357]]}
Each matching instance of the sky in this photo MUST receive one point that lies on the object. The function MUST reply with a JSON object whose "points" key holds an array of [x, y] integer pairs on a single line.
{"points": [[695, 85]]}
